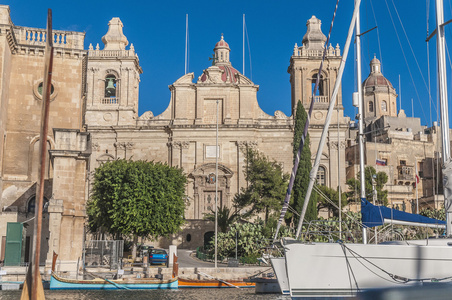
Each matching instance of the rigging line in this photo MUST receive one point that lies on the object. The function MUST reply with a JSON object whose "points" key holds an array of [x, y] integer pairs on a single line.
{"points": [[349, 269], [249, 50], [396, 278], [357, 257], [412, 52], [378, 36], [430, 100], [337, 207], [403, 52], [305, 130]]}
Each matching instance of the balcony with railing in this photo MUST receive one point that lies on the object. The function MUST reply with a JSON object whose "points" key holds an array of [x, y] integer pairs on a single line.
{"points": [[405, 173]]}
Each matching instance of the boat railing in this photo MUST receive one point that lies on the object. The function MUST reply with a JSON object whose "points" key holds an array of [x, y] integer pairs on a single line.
{"points": [[328, 230]]}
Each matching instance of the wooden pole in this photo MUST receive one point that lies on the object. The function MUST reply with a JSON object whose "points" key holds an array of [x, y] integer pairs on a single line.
{"points": [[37, 291]]}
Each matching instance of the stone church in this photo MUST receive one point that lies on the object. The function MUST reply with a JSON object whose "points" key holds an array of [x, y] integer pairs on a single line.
{"points": [[94, 118]]}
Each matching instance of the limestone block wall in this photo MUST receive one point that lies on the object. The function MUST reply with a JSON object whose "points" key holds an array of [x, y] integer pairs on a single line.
{"points": [[67, 211]]}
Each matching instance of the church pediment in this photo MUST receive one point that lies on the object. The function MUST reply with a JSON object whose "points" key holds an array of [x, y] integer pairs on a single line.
{"points": [[187, 78]]}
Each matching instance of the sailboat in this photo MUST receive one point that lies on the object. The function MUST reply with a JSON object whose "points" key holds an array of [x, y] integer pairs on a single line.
{"points": [[342, 270]]}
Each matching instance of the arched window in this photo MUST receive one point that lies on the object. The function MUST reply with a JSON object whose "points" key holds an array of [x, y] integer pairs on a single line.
{"points": [[110, 89], [321, 176], [320, 89], [32, 204], [371, 107], [384, 106]]}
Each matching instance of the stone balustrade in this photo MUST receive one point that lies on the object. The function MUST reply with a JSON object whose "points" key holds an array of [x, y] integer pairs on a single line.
{"points": [[320, 99], [303, 52], [111, 53], [37, 37], [110, 100]]}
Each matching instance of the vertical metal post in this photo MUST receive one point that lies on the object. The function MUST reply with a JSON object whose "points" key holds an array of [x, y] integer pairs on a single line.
{"points": [[186, 43], [243, 45], [361, 117], [216, 191], [446, 159], [339, 174], [374, 198]]}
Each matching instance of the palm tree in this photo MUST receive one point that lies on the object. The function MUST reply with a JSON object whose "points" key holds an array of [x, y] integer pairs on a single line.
{"points": [[225, 217]]}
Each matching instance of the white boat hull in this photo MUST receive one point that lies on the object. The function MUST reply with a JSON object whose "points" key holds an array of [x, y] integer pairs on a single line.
{"points": [[336, 270], [279, 267]]}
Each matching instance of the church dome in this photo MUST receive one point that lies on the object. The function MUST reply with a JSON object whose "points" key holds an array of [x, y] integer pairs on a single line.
{"points": [[375, 77], [221, 44], [221, 65], [228, 74]]}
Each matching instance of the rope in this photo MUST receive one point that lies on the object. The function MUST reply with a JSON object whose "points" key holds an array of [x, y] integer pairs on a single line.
{"points": [[394, 277], [349, 269], [403, 52]]}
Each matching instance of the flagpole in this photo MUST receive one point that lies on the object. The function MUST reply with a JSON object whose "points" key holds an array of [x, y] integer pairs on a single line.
{"points": [[186, 42], [243, 43]]}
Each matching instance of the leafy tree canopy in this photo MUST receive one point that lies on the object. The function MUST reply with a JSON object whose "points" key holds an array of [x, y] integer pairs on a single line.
{"points": [[380, 179], [139, 198], [266, 188]]}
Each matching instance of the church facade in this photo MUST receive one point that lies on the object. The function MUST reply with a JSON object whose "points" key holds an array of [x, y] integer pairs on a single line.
{"points": [[94, 118]]}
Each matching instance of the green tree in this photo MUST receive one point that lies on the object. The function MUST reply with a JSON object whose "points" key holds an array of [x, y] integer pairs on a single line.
{"points": [[266, 188], [332, 195], [225, 217], [304, 168], [380, 179], [137, 198]]}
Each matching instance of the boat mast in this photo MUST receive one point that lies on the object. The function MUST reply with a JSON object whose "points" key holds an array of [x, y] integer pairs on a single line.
{"points": [[315, 167], [442, 80], [362, 188]]}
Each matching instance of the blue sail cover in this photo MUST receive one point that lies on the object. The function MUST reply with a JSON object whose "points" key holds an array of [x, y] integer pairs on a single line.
{"points": [[374, 215]]}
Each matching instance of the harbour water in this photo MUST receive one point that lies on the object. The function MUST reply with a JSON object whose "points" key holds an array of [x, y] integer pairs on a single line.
{"points": [[199, 294]]}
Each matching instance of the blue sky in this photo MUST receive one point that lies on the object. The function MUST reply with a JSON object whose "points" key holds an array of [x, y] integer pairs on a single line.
{"points": [[157, 30]]}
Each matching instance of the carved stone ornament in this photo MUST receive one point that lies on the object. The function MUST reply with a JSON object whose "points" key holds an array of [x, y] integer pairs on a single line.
{"points": [[146, 116], [332, 145], [124, 145], [95, 146], [280, 115], [213, 75], [247, 144]]}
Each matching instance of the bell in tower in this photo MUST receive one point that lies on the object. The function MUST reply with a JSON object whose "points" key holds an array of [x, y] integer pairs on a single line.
{"points": [[110, 86]]}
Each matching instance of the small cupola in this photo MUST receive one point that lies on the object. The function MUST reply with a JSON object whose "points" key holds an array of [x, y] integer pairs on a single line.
{"points": [[375, 65], [221, 51]]}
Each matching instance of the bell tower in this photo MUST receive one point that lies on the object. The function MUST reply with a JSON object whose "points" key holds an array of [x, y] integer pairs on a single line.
{"points": [[113, 78], [303, 69]]}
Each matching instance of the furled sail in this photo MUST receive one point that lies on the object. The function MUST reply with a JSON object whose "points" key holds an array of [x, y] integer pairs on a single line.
{"points": [[373, 215]]}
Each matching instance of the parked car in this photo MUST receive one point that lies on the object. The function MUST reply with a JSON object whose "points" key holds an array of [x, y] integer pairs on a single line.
{"points": [[158, 256], [143, 250]]}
